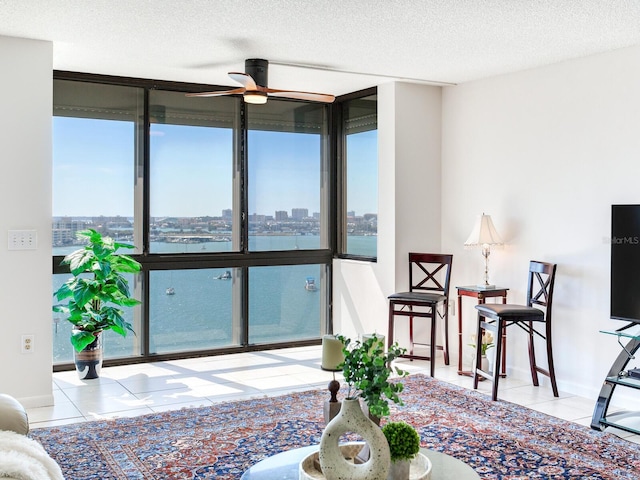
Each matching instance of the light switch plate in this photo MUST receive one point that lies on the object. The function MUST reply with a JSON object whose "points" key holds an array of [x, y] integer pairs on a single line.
{"points": [[23, 239]]}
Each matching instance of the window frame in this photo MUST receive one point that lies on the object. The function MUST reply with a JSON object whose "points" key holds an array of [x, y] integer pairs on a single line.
{"points": [[340, 175], [242, 259]]}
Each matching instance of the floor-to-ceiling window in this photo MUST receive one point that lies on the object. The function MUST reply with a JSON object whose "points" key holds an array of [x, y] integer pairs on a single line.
{"points": [[193, 209], [358, 171], [228, 207], [287, 195], [95, 153]]}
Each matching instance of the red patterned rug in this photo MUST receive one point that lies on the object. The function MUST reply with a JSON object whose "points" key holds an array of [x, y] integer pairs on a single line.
{"points": [[499, 440]]}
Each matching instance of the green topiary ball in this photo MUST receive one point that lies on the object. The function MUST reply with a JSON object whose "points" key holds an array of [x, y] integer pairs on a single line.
{"points": [[403, 439]]}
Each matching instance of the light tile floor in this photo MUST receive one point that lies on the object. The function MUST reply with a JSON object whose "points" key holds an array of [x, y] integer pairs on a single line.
{"points": [[132, 390]]}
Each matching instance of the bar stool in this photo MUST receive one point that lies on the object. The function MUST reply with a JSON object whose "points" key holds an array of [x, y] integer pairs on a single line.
{"points": [[497, 317], [429, 276]]}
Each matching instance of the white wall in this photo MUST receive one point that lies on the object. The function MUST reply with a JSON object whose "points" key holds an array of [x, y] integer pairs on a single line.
{"points": [[25, 194], [546, 152], [409, 119]]}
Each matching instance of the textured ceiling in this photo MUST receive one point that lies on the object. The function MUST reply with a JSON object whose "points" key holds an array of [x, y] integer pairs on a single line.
{"points": [[418, 40]]}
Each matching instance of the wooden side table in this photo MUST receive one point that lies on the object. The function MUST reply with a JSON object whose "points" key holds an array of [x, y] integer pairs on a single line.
{"points": [[481, 294]]}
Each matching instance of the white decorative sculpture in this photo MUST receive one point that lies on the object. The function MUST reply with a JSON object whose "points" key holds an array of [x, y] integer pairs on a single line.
{"points": [[352, 419]]}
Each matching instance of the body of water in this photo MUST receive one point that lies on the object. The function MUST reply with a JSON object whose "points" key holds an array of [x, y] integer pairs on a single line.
{"points": [[193, 309]]}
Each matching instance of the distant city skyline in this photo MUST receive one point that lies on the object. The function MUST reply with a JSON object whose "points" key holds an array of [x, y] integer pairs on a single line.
{"points": [[93, 169], [223, 215]]}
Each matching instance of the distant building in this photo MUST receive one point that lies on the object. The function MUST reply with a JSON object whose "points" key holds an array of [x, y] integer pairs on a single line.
{"points": [[227, 214], [65, 228], [255, 218], [299, 213], [316, 215], [281, 215], [352, 213]]}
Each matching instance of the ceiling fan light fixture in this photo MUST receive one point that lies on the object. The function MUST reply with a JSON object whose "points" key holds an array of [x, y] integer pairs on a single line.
{"points": [[255, 90], [256, 98]]}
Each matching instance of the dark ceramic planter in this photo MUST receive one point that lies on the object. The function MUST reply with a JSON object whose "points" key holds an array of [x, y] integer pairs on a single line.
{"points": [[89, 360]]}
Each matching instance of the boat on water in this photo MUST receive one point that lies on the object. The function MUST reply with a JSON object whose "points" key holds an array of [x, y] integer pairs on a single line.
{"points": [[225, 276], [170, 291], [310, 284]]}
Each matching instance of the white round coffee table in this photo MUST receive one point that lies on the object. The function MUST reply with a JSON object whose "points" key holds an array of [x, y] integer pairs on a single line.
{"points": [[284, 466]]}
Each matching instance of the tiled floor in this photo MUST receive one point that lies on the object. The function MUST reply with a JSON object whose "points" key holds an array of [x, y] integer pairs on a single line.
{"points": [[138, 389]]}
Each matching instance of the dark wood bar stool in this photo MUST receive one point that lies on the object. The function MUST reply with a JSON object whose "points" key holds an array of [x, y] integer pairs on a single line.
{"points": [[497, 317], [429, 276]]}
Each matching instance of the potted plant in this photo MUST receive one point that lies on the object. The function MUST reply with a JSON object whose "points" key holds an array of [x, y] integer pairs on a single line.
{"points": [[95, 295], [404, 445], [367, 368], [487, 343]]}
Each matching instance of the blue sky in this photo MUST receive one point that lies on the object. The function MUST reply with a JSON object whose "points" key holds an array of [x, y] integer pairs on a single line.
{"points": [[191, 170]]}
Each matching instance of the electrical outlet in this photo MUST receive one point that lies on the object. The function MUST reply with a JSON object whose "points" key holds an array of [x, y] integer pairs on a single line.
{"points": [[23, 239], [27, 343]]}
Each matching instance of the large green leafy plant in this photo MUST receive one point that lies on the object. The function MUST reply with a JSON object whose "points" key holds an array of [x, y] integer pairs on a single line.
{"points": [[97, 289], [367, 370]]}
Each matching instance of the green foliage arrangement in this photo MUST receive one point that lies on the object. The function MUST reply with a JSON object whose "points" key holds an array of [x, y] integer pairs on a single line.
{"points": [[367, 368], [403, 440], [97, 289]]}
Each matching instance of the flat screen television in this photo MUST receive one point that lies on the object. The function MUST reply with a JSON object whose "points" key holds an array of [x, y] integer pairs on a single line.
{"points": [[625, 262]]}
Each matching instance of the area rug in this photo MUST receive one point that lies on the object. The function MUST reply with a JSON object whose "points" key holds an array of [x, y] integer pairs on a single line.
{"points": [[499, 440]]}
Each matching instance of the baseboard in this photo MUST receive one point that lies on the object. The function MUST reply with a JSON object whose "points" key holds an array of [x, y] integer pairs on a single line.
{"points": [[36, 401], [567, 387]]}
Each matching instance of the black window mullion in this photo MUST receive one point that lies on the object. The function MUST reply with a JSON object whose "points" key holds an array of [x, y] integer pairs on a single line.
{"points": [[244, 225], [146, 221], [146, 182]]}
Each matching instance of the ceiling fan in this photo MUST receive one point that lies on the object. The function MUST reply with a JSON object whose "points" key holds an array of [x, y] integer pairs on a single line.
{"points": [[254, 86]]}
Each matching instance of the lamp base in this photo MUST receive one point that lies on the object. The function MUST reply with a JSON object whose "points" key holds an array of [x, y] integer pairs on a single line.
{"points": [[333, 405], [486, 287]]}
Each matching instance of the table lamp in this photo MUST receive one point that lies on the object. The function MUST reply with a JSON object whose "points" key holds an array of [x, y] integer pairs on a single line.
{"points": [[380, 339], [484, 234], [332, 356]]}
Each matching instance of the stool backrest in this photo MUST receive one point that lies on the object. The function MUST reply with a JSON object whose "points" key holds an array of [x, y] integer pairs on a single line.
{"points": [[542, 277], [430, 272]]}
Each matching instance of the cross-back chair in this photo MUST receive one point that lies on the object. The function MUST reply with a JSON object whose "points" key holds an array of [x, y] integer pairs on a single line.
{"points": [[428, 297], [532, 319]]}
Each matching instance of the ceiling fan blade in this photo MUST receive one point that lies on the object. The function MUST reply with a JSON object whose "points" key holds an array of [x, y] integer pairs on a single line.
{"points": [[245, 80], [217, 93], [315, 97], [255, 92]]}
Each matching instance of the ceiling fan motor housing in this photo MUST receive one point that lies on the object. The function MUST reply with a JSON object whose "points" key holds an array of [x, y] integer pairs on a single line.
{"points": [[258, 69]]}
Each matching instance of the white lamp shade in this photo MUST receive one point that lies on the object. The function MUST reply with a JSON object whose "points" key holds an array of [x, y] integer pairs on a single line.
{"points": [[380, 338], [484, 233]]}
